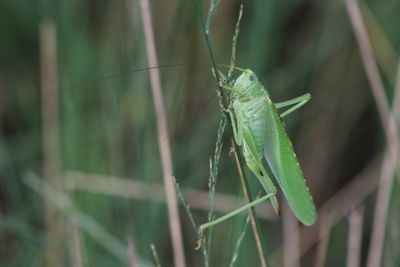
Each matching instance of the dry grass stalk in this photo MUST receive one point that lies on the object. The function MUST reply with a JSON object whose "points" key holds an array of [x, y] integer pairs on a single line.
{"points": [[253, 222], [165, 150], [390, 164], [355, 237], [383, 196], [371, 68], [50, 136]]}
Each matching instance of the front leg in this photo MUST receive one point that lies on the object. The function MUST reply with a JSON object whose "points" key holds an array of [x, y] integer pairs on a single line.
{"points": [[237, 126]]}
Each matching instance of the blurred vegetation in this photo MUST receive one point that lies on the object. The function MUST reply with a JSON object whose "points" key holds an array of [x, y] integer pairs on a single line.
{"points": [[107, 126]]}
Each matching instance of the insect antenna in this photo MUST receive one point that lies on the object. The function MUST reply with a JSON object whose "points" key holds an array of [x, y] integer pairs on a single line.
{"points": [[115, 75], [172, 134]]}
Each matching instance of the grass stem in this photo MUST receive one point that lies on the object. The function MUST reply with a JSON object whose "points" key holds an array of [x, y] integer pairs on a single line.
{"points": [[165, 150]]}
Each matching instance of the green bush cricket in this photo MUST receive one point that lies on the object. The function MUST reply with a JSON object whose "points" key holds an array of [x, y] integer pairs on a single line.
{"points": [[260, 133]]}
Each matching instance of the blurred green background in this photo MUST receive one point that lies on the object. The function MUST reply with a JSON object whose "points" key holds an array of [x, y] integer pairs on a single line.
{"points": [[107, 125]]}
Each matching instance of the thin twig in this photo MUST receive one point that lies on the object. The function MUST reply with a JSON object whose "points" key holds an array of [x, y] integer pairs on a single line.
{"points": [[254, 225], [165, 150], [355, 237]]}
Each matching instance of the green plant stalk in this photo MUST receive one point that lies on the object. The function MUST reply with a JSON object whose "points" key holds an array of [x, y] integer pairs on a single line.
{"points": [[193, 222], [212, 181]]}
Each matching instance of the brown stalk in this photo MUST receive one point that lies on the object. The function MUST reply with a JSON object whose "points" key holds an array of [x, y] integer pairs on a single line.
{"points": [[165, 150], [253, 222], [355, 237], [371, 68], [50, 136], [389, 165], [381, 211], [383, 196]]}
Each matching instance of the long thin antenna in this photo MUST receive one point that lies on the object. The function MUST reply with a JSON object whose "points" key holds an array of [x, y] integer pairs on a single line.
{"points": [[115, 75], [130, 72]]}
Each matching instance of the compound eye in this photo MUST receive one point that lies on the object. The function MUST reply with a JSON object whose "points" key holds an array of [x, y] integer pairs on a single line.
{"points": [[251, 78]]}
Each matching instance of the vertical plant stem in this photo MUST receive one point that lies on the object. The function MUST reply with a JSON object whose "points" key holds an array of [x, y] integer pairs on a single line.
{"points": [[206, 32], [371, 68], [355, 237], [212, 181], [51, 137], [254, 223], [383, 195], [381, 212], [165, 150]]}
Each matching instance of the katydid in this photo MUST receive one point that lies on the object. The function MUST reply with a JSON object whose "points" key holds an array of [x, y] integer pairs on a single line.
{"points": [[260, 133]]}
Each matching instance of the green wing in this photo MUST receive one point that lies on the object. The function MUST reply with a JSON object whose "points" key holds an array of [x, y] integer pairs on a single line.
{"points": [[282, 160]]}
